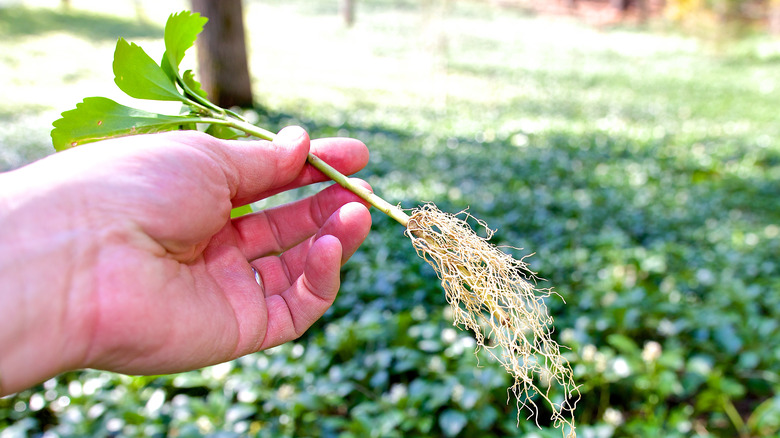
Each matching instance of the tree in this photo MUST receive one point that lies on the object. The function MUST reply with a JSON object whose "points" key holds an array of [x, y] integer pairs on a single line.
{"points": [[774, 17], [222, 55], [621, 5], [348, 12]]}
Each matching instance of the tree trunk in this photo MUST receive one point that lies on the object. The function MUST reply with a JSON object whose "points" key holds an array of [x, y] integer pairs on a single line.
{"points": [[643, 11], [348, 12], [222, 56], [774, 17], [620, 5]]}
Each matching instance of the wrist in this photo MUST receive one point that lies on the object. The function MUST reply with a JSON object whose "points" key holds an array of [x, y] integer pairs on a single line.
{"points": [[40, 256]]}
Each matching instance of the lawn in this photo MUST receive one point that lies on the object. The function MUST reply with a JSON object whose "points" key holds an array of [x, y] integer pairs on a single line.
{"points": [[640, 167]]}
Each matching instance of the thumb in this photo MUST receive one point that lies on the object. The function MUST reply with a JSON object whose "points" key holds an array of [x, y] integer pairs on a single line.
{"points": [[257, 169], [253, 168]]}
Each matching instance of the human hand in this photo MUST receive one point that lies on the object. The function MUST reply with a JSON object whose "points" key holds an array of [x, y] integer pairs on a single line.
{"points": [[121, 255]]}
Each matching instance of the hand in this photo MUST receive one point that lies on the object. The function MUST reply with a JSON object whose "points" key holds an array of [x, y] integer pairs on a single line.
{"points": [[121, 255]]}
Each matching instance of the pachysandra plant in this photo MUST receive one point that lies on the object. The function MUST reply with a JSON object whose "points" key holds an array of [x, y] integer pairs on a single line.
{"points": [[490, 293]]}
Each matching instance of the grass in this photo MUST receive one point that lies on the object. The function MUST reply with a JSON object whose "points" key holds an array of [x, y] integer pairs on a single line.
{"points": [[642, 168], [21, 22]]}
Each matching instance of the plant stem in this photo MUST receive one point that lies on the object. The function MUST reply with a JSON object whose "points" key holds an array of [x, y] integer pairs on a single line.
{"points": [[385, 207]]}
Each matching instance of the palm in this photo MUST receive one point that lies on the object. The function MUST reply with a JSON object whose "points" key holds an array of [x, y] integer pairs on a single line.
{"points": [[176, 289]]}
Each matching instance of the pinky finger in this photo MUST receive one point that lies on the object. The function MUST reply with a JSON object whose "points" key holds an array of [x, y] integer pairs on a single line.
{"points": [[293, 311]]}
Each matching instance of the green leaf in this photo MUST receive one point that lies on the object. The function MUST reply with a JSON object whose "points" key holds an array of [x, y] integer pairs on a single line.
{"points": [[623, 343], [192, 85], [171, 72], [240, 211], [139, 76], [181, 31], [452, 422], [224, 132], [99, 118]]}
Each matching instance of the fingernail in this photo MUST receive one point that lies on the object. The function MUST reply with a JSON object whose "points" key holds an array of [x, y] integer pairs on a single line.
{"points": [[290, 135]]}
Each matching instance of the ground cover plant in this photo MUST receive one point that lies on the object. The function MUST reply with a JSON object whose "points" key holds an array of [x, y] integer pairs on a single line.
{"points": [[490, 293], [643, 173]]}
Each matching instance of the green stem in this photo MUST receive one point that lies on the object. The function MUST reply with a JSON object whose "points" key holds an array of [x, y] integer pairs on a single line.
{"points": [[385, 207], [733, 415]]}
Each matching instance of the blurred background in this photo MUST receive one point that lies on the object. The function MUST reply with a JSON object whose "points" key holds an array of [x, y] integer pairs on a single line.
{"points": [[632, 146]]}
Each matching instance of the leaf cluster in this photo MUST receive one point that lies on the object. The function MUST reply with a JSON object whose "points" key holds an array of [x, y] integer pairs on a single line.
{"points": [[140, 77]]}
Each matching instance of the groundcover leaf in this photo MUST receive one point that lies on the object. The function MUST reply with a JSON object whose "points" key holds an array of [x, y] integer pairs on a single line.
{"points": [[139, 76], [99, 118], [452, 422]]}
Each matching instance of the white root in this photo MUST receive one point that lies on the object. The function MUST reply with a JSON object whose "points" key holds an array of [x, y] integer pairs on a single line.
{"points": [[492, 295]]}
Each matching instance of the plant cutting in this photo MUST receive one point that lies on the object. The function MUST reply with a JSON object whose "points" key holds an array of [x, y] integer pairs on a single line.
{"points": [[490, 293]]}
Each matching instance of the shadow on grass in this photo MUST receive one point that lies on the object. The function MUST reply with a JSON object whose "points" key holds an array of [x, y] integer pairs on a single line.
{"points": [[20, 21]]}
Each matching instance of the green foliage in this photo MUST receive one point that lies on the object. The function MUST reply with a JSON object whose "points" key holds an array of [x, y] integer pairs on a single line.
{"points": [[99, 118], [181, 31], [645, 178], [139, 76], [136, 73]]}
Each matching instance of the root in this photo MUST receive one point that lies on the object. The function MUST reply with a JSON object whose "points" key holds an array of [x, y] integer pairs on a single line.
{"points": [[492, 295]]}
